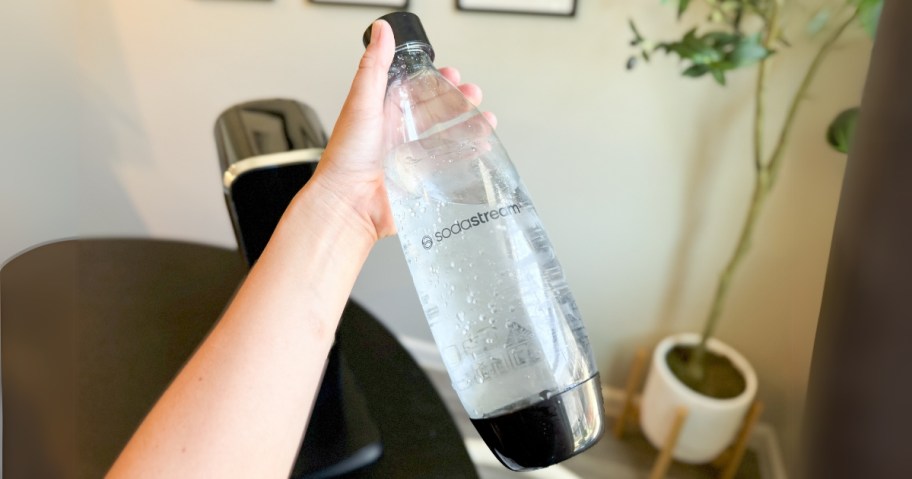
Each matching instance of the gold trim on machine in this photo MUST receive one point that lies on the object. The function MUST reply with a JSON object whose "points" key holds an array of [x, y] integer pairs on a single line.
{"points": [[273, 159]]}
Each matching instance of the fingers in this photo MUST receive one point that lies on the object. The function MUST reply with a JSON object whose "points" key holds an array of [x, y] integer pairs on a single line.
{"points": [[472, 92], [451, 74], [492, 119]]}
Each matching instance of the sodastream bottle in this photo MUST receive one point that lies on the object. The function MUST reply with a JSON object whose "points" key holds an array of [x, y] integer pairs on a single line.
{"points": [[494, 294]]}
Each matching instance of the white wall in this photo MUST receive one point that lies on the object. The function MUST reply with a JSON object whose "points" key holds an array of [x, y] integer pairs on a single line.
{"points": [[39, 106], [641, 177]]}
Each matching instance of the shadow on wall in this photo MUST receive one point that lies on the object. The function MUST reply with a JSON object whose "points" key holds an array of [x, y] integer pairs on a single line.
{"points": [[705, 159], [58, 125], [113, 138]]}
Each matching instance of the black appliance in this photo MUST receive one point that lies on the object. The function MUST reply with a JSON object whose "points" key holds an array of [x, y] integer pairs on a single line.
{"points": [[268, 150]]}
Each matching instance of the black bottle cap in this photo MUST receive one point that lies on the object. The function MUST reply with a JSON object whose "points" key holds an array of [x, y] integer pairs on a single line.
{"points": [[406, 28]]}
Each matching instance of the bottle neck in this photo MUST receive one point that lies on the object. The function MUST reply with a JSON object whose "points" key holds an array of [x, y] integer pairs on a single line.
{"points": [[409, 59]]}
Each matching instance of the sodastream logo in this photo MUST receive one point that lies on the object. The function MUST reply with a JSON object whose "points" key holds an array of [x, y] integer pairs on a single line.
{"points": [[466, 224]]}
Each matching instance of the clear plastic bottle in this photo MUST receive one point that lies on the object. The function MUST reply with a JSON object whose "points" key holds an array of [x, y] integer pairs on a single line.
{"points": [[492, 290]]}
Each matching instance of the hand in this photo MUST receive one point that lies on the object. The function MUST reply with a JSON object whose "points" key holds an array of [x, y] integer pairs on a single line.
{"points": [[351, 169]]}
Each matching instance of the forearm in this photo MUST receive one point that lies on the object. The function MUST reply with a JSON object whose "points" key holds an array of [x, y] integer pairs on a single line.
{"points": [[240, 405]]}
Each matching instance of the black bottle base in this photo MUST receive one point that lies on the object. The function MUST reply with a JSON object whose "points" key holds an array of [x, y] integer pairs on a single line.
{"points": [[549, 431]]}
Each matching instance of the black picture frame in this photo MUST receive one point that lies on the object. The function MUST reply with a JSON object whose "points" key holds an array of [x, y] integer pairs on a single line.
{"points": [[393, 4], [560, 8]]}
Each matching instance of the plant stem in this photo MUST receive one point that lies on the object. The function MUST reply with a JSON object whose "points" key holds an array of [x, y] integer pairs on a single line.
{"points": [[695, 365], [760, 92], [764, 181], [758, 199], [775, 163]]}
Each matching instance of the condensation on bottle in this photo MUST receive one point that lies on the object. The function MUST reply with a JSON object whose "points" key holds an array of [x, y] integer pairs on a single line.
{"points": [[494, 294]]}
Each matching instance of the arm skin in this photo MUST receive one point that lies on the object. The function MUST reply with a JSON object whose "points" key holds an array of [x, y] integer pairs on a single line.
{"points": [[231, 411]]}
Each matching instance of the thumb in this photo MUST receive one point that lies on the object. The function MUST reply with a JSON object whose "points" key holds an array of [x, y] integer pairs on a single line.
{"points": [[369, 86]]}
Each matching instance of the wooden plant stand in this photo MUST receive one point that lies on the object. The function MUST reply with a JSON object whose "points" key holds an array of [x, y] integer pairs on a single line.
{"points": [[728, 461]]}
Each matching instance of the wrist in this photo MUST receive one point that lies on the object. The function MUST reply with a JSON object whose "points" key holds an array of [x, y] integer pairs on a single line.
{"points": [[344, 206]]}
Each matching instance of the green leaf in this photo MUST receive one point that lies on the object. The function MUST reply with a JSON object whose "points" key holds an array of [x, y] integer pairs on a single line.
{"points": [[694, 48], [818, 22], [719, 75], [637, 38], [682, 6], [720, 39], [695, 71], [869, 14], [716, 52], [690, 45], [842, 129], [748, 51]]}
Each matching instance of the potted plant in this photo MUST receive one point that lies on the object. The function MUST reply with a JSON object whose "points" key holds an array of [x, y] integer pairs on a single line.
{"points": [[710, 379]]}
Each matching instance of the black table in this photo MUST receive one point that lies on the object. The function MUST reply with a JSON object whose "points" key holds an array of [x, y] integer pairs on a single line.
{"points": [[93, 331]]}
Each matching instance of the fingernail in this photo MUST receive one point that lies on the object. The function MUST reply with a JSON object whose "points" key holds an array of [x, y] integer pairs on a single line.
{"points": [[375, 31]]}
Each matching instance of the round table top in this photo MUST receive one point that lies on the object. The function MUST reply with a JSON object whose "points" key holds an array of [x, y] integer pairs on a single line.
{"points": [[93, 331]]}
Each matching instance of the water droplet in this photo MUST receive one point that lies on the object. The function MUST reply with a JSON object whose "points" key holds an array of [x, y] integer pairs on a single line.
{"points": [[452, 264]]}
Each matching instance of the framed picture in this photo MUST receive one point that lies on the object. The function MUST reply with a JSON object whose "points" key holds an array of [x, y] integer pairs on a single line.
{"points": [[397, 4], [565, 8]]}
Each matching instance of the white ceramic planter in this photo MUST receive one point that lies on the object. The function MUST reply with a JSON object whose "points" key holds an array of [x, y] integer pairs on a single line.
{"points": [[711, 423]]}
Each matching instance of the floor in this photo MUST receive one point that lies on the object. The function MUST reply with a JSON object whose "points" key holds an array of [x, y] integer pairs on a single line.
{"points": [[630, 458]]}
